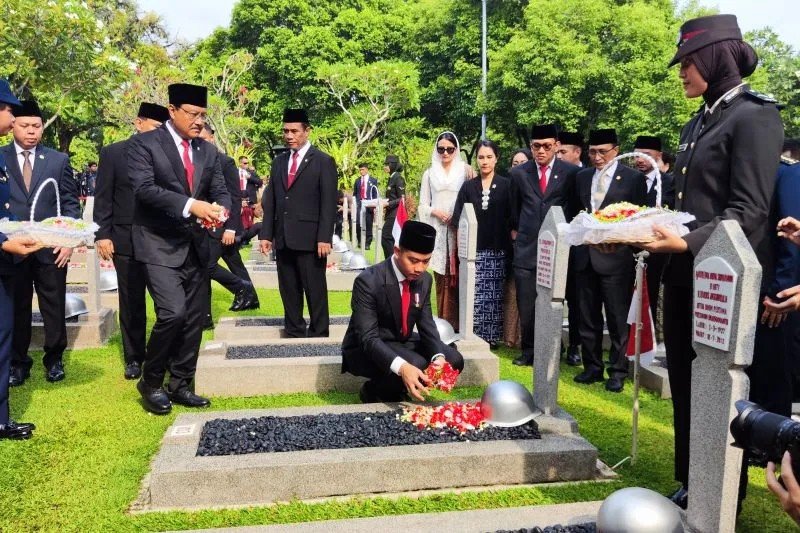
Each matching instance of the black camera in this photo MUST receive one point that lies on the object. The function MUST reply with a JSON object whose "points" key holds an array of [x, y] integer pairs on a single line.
{"points": [[766, 435]]}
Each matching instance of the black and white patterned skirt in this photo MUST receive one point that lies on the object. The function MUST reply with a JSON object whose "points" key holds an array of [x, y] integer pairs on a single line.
{"points": [[490, 273]]}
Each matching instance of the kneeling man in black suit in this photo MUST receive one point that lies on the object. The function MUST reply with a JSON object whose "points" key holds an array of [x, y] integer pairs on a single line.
{"points": [[389, 300]]}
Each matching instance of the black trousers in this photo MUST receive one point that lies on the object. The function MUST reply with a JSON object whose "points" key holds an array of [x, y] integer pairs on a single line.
{"points": [[525, 279], [612, 293], [390, 387], [132, 284], [226, 278], [574, 311], [791, 330], [369, 216], [303, 273], [654, 272], [51, 289], [180, 296], [387, 239], [770, 383], [6, 331], [233, 258]]}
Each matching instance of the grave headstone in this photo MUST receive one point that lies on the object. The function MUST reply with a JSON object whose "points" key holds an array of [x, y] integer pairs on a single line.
{"points": [[551, 280], [346, 236], [727, 278], [376, 231], [467, 242], [93, 274], [354, 214]]}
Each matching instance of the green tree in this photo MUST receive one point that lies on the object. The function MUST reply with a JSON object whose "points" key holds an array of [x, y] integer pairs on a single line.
{"points": [[778, 75]]}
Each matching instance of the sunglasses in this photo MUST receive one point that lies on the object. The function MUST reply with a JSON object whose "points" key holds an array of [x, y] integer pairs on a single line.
{"points": [[538, 146], [448, 149]]}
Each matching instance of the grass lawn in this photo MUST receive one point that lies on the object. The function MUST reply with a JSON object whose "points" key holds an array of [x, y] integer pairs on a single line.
{"points": [[94, 443]]}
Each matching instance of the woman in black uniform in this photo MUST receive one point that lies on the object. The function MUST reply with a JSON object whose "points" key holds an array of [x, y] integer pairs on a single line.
{"points": [[724, 170], [395, 190]]}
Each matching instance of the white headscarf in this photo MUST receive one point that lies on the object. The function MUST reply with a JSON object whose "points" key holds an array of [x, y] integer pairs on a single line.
{"points": [[439, 177]]}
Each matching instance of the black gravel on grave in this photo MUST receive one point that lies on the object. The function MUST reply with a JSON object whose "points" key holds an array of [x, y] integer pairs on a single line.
{"points": [[36, 316], [278, 321], [330, 431], [589, 527], [273, 351]]}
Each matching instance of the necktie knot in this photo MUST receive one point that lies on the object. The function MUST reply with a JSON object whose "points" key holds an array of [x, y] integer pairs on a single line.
{"points": [[26, 153]]}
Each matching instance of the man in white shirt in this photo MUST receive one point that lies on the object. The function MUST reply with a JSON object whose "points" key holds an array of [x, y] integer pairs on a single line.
{"points": [[389, 300]]}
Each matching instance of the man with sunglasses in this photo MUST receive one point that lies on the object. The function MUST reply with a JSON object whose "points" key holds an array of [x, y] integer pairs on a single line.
{"points": [[536, 186], [605, 276], [175, 177]]}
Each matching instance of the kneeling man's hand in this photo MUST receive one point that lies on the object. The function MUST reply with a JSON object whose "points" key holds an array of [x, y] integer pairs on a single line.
{"points": [[415, 380]]}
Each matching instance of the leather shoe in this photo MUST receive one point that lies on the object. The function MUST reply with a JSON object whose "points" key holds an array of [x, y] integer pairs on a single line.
{"points": [[524, 360], [615, 384], [55, 372], [24, 426], [366, 395], [14, 431], [17, 376], [188, 398], [155, 399], [209, 323], [680, 497], [588, 376], [574, 356], [246, 298], [133, 370]]}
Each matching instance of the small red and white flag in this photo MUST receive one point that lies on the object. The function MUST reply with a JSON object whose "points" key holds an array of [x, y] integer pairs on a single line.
{"points": [[648, 334], [399, 220]]}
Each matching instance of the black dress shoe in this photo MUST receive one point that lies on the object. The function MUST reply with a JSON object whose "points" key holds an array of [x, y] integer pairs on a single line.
{"points": [[524, 360], [14, 432], [133, 370], [615, 384], [245, 298], [55, 372], [588, 376], [188, 398], [574, 356], [680, 497], [23, 426], [17, 376], [366, 395], [154, 399], [209, 323]]}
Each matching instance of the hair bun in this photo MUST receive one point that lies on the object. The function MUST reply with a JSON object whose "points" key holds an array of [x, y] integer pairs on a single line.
{"points": [[746, 59]]}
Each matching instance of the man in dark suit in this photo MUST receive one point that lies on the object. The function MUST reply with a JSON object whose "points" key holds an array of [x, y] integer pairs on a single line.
{"points": [[390, 299], [113, 212], [175, 176], [365, 188], [11, 252], [299, 215], [249, 181], [650, 145], [29, 164], [395, 191], [223, 243], [605, 276], [536, 186]]}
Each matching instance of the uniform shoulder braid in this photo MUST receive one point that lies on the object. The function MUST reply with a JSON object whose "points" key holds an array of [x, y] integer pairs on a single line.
{"points": [[759, 97]]}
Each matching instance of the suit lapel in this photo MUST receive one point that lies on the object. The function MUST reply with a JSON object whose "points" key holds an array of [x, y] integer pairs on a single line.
{"points": [[199, 162], [170, 150], [553, 182], [533, 178], [612, 186], [39, 171], [392, 291], [12, 165]]}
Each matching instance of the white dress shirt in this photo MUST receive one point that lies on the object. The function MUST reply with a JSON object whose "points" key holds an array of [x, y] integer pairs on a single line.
{"points": [[602, 187], [651, 178], [21, 157], [301, 154]]}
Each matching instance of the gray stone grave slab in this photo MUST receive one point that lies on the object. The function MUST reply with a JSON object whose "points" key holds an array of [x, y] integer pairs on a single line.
{"points": [[727, 278], [551, 279], [181, 479], [219, 375], [337, 280], [256, 330]]}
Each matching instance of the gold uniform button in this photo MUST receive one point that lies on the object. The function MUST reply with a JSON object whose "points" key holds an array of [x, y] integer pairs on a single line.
{"points": [[683, 170], [691, 145], [619, 177], [680, 195]]}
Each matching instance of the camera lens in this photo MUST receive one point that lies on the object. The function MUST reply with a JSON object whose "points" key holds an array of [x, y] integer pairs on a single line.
{"points": [[763, 433]]}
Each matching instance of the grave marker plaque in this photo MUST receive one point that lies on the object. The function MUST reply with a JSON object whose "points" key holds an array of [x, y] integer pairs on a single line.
{"points": [[544, 259], [714, 298]]}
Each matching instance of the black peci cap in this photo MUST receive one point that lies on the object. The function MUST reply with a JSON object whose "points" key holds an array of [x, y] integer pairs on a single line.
{"points": [[156, 112], [186, 93], [544, 131], [417, 237], [703, 31], [27, 108], [648, 142], [291, 116], [570, 137], [603, 136]]}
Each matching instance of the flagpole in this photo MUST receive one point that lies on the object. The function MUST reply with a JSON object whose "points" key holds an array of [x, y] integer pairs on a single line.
{"points": [[640, 266]]}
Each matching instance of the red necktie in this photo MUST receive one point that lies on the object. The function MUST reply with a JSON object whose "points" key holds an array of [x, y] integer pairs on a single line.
{"points": [[187, 164], [405, 303], [543, 178], [293, 168], [363, 188]]}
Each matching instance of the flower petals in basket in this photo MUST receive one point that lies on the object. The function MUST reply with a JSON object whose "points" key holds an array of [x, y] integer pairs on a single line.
{"points": [[623, 223]]}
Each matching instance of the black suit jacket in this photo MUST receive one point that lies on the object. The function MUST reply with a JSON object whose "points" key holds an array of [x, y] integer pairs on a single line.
{"points": [[627, 185], [372, 190], [376, 320], [7, 260], [113, 199], [230, 173], [161, 235], [48, 164], [251, 187], [300, 216], [529, 206]]}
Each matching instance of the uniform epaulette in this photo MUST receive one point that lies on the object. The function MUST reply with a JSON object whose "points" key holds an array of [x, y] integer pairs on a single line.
{"points": [[788, 160], [760, 96]]}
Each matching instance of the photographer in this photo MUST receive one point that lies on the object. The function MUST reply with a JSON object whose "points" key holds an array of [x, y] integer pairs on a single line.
{"points": [[790, 495]]}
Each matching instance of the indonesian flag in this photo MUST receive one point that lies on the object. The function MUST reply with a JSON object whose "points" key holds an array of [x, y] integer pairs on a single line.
{"points": [[648, 334], [399, 220]]}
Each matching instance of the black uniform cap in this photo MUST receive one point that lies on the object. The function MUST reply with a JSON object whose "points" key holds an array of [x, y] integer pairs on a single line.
{"points": [[417, 237], [703, 31]]}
